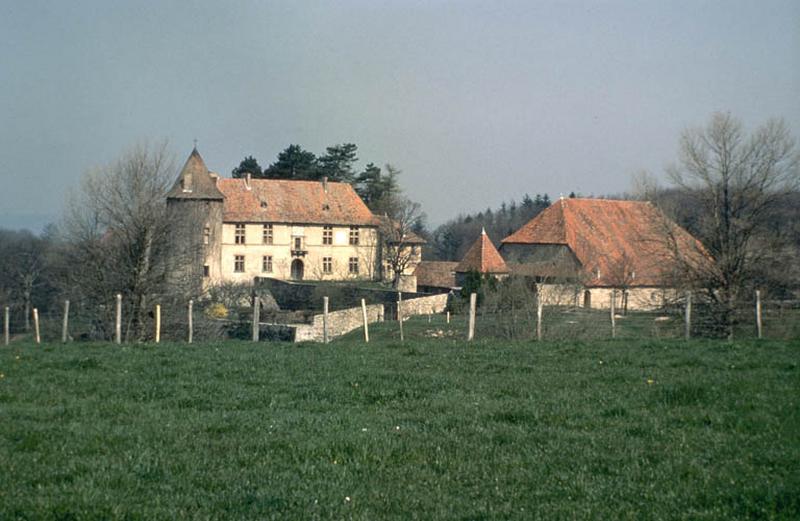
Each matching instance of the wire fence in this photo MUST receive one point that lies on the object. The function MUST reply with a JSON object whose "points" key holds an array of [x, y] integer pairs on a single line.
{"points": [[523, 319]]}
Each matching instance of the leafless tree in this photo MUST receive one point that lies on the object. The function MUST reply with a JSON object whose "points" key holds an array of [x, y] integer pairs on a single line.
{"points": [[738, 180], [399, 244], [621, 276], [117, 235]]}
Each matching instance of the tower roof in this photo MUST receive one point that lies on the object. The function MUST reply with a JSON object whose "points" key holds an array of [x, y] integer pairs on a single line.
{"points": [[195, 181], [482, 257]]}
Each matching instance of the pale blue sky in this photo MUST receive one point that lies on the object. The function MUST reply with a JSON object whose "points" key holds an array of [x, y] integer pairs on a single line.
{"points": [[477, 102]]}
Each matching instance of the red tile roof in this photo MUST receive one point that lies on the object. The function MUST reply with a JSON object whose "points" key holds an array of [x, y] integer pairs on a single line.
{"points": [[482, 257], [613, 237], [289, 201], [437, 274]]}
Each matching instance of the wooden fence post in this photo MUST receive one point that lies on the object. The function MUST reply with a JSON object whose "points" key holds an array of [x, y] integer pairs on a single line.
{"points": [[613, 313], [191, 320], [472, 304], [36, 325], [324, 320], [400, 318], [688, 318], [539, 306], [6, 326], [758, 312], [65, 323], [256, 318], [158, 323], [366, 325], [448, 317], [118, 321]]}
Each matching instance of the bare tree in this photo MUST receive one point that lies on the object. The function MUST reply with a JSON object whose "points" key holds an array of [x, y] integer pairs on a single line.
{"points": [[621, 276], [738, 180], [117, 234], [399, 244]]}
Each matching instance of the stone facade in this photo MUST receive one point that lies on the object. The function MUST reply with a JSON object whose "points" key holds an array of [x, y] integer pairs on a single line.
{"points": [[275, 257]]}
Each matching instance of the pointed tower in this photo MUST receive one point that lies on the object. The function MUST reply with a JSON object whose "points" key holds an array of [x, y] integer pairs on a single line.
{"points": [[194, 206], [482, 257]]}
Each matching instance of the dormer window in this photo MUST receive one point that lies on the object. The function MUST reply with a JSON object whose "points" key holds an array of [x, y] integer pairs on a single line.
{"points": [[263, 204], [326, 207]]}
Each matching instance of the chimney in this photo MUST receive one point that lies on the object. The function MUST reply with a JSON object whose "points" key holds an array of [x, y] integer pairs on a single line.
{"points": [[325, 184], [247, 179]]}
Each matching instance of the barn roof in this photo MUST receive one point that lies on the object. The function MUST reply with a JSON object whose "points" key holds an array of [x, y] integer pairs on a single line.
{"points": [[613, 240], [482, 257], [437, 274], [290, 201]]}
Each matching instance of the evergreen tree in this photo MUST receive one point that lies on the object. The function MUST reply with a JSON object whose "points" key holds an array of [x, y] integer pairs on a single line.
{"points": [[337, 163], [293, 163], [249, 165]]}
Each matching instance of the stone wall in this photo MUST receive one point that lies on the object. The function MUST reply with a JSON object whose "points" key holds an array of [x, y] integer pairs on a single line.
{"points": [[339, 323], [308, 296], [425, 305]]}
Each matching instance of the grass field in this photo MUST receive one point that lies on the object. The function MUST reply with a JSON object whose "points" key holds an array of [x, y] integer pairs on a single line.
{"points": [[429, 429]]}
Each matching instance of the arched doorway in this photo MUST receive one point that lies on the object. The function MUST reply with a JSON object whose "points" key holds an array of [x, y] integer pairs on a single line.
{"points": [[587, 299], [297, 269]]}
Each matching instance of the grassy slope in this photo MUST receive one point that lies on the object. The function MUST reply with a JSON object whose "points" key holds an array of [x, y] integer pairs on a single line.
{"points": [[429, 429]]}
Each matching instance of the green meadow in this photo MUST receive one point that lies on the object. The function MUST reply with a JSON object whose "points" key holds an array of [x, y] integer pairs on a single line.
{"points": [[431, 428]]}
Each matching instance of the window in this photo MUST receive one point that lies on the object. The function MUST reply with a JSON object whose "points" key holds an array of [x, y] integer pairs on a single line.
{"points": [[206, 235], [266, 234], [206, 271], [327, 264], [353, 265], [238, 263], [354, 235], [266, 263], [239, 237], [298, 243], [327, 235]]}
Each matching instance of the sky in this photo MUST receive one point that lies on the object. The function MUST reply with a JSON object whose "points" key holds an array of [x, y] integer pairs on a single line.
{"points": [[476, 102]]}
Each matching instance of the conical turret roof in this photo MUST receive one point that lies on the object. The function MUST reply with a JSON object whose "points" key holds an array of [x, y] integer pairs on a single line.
{"points": [[195, 181], [482, 257]]}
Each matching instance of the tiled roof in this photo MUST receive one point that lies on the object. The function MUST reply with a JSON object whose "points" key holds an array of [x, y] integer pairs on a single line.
{"points": [[482, 257], [437, 274], [289, 201], [194, 181], [611, 237]]}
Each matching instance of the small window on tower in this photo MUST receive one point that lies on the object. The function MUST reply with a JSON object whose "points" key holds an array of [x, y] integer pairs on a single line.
{"points": [[206, 235], [206, 271]]}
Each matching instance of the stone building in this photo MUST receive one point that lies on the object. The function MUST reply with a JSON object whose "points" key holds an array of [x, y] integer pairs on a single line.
{"points": [[285, 229], [583, 251]]}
